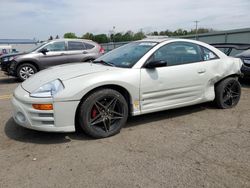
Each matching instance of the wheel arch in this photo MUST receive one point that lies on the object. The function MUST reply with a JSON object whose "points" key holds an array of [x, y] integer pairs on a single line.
{"points": [[27, 62], [116, 87], [236, 75]]}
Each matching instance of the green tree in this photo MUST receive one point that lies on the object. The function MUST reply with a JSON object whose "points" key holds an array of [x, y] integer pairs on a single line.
{"points": [[118, 37], [139, 35], [155, 33], [101, 38], [128, 36], [89, 36], [70, 35]]}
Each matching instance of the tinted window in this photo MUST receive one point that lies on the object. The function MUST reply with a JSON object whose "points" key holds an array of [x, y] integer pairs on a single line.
{"points": [[56, 46], [126, 56], [73, 45], [177, 53], [208, 54], [89, 46]]}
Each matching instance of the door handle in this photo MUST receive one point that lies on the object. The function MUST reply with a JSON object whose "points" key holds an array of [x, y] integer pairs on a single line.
{"points": [[84, 52], [62, 53], [201, 71]]}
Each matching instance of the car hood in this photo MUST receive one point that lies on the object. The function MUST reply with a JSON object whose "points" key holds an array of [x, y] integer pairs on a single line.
{"points": [[245, 53], [63, 72], [12, 55]]}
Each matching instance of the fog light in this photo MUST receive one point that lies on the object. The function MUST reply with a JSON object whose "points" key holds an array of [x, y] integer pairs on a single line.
{"points": [[20, 117], [42, 106]]}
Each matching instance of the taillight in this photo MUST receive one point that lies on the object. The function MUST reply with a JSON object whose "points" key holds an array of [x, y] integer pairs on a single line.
{"points": [[102, 51]]}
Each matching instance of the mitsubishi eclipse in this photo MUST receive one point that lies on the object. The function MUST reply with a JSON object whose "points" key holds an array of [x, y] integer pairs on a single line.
{"points": [[141, 77]]}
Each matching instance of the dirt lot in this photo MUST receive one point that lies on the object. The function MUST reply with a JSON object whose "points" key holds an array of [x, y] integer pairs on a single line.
{"points": [[198, 146]]}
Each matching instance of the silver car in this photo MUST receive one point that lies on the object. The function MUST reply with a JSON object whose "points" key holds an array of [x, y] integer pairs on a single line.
{"points": [[48, 54], [138, 78]]}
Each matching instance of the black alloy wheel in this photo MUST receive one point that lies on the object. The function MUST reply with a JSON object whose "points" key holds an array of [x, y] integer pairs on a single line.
{"points": [[103, 113], [228, 93]]}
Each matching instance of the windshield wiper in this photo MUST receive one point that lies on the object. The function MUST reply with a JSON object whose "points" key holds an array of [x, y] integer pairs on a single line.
{"points": [[105, 63]]}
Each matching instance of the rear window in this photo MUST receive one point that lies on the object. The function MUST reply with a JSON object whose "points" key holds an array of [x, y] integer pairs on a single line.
{"points": [[88, 46], [208, 54], [73, 45]]}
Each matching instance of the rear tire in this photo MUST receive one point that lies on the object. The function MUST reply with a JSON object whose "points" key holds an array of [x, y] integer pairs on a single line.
{"points": [[103, 113], [227, 93], [24, 71]]}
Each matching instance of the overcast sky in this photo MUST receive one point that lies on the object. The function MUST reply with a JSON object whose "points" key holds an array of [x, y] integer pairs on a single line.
{"points": [[41, 18]]}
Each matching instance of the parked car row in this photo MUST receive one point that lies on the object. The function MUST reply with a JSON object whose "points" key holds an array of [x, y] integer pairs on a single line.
{"points": [[56, 52], [138, 78], [7, 49]]}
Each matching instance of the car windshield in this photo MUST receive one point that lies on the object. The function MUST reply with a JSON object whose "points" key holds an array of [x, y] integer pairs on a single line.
{"points": [[126, 56], [37, 47]]}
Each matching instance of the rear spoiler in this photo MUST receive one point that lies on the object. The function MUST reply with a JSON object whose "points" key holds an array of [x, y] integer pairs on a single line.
{"points": [[230, 46], [237, 46]]}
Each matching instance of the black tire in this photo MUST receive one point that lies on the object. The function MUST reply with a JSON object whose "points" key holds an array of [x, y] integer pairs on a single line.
{"points": [[103, 113], [89, 60], [227, 93], [24, 71]]}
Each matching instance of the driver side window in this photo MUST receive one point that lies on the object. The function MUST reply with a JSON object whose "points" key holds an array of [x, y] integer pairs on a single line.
{"points": [[178, 53], [56, 46]]}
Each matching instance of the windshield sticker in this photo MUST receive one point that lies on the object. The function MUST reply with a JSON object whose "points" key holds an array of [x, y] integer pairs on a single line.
{"points": [[147, 43]]}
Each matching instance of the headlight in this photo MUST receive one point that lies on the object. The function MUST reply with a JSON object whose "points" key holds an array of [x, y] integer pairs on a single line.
{"points": [[247, 61], [12, 58], [5, 59], [48, 90]]}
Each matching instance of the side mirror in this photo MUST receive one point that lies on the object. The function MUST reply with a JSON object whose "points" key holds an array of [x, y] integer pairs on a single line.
{"points": [[44, 50], [155, 64]]}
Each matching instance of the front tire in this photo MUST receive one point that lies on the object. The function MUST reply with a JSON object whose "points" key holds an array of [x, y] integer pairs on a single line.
{"points": [[25, 70], [103, 113], [227, 93]]}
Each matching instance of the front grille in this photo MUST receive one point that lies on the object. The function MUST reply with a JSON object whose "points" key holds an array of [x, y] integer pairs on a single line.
{"points": [[4, 66], [40, 118], [46, 115], [37, 117]]}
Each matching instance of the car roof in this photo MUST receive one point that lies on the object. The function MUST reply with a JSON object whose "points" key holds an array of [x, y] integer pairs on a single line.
{"points": [[68, 39]]}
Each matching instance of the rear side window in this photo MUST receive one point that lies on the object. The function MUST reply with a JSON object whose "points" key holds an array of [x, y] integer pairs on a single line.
{"points": [[88, 46], [208, 54], [73, 45]]}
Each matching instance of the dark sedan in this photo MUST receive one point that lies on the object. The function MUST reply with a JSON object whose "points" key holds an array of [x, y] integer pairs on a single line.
{"points": [[238, 50]]}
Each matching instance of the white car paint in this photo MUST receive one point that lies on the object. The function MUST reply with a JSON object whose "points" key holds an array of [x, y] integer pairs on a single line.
{"points": [[150, 90]]}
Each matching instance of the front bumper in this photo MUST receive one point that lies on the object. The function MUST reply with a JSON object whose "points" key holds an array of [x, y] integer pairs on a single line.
{"points": [[60, 119], [8, 67], [246, 71]]}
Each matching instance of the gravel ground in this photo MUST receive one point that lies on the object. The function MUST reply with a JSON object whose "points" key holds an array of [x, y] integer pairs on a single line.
{"points": [[197, 146]]}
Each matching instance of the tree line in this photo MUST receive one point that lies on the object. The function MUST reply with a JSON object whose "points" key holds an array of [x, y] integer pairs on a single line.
{"points": [[131, 36]]}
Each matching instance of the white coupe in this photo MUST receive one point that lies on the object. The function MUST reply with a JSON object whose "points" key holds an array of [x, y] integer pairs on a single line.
{"points": [[138, 78]]}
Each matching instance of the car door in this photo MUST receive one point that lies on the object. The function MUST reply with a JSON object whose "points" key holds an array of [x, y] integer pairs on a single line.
{"points": [[76, 51], [55, 55], [180, 83]]}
